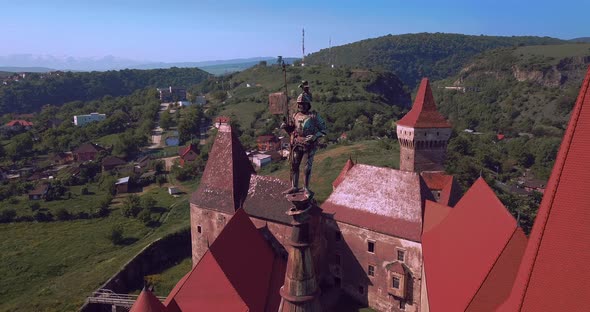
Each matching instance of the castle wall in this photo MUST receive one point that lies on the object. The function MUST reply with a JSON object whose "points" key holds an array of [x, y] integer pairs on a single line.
{"points": [[349, 260], [423, 149], [210, 223]]}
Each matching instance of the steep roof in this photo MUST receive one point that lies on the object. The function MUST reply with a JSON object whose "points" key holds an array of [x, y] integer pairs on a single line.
{"points": [[554, 271], [265, 199], [113, 161], [466, 247], [450, 191], [434, 213], [19, 122], [185, 152], [147, 302], [349, 164], [424, 113], [237, 273], [381, 199], [226, 179], [88, 148]]}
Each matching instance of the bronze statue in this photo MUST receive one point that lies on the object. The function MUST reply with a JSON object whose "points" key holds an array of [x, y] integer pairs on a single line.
{"points": [[305, 128]]}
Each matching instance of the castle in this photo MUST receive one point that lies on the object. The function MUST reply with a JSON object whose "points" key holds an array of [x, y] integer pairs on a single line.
{"points": [[396, 240]]}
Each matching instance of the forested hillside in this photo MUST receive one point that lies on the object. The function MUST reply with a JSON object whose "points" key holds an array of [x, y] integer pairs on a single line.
{"points": [[29, 94], [413, 56], [360, 103]]}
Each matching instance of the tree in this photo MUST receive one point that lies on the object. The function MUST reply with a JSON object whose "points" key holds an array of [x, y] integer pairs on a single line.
{"points": [[116, 235], [166, 120], [189, 125], [63, 214], [280, 60], [7, 215], [148, 202], [131, 206]]}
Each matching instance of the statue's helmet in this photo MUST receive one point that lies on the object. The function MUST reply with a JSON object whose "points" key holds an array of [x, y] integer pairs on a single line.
{"points": [[304, 98]]}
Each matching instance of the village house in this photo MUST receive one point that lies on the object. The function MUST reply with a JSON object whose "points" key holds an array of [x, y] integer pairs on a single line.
{"points": [[267, 143], [87, 152], [112, 162], [171, 94], [122, 185], [40, 192], [188, 154], [19, 124]]}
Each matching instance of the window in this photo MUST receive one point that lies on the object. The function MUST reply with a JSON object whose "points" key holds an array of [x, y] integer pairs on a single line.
{"points": [[371, 271], [199, 228], [395, 282], [361, 290], [401, 255], [337, 236], [371, 247]]}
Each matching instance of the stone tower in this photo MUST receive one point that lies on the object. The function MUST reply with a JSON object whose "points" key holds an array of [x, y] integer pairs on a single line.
{"points": [[423, 134]]}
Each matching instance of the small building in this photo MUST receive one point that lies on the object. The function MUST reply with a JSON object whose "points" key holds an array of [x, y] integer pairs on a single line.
{"points": [[87, 152], [62, 158], [183, 103], [188, 154], [122, 185], [147, 178], [534, 185], [112, 162], [19, 124], [200, 100], [171, 94], [173, 190], [81, 120], [40, 192], [143, 162], [268, 143], [261, 160]]}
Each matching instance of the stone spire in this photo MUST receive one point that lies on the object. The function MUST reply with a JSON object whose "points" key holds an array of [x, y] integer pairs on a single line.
{"points": [[300, 292]]}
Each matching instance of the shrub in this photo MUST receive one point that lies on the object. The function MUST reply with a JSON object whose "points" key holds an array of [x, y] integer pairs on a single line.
{"points": [[131, 206], [84, 191], [116, 235], [7, 215], [40, 216], [35, 206], [63, 214]]}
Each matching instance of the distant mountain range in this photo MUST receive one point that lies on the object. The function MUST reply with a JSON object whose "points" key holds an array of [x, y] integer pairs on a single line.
{"points": [[45, 63], [581, 39]]}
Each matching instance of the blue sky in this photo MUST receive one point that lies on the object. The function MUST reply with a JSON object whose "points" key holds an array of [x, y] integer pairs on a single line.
{"points": [[174, 31]]}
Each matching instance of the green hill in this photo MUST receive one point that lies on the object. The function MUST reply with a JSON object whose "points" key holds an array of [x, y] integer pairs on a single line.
{"points": [[412, 56], [524, 89], [359, 102], [30, 94]]}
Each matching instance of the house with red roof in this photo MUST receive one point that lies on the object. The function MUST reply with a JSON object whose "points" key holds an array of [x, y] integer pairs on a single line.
{"points": [[267, 143], [87, 152], [19, 124], [188, 154]]}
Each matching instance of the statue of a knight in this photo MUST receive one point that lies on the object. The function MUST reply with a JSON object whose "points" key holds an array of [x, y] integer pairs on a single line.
{"points": [[305, 128]]}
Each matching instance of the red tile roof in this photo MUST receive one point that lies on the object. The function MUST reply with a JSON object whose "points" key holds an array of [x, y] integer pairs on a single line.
{"points": [[473, 238], [424, 113], [554, 274], [340, 178], [226, 178], [237, 273], [88, 148], [147, 302], [380, 199], [184, 151], [434, 213], [450, 191], [19, 122]]}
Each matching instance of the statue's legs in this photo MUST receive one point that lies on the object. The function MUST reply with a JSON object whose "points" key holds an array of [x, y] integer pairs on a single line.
{"points": [[295, 164]]}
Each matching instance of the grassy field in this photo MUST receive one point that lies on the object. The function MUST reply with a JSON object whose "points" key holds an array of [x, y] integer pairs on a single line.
{"points": [[54, 266], [329, 162], [556, 52]]}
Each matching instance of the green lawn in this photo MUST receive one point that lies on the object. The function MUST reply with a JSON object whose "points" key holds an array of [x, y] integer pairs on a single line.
{"points": [[54, 266]]}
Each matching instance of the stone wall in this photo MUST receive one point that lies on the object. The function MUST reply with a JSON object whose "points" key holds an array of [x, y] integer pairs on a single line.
{"points": [[349, 260], [206, 225], [154, 258]]}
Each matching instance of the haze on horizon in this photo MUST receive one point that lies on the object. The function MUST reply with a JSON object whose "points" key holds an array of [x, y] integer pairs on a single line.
{"points": [[187, 31]]}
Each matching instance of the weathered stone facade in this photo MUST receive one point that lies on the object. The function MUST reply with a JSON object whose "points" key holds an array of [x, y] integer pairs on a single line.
{"points": [[350, 258], [206, 224], [422, 149]]}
